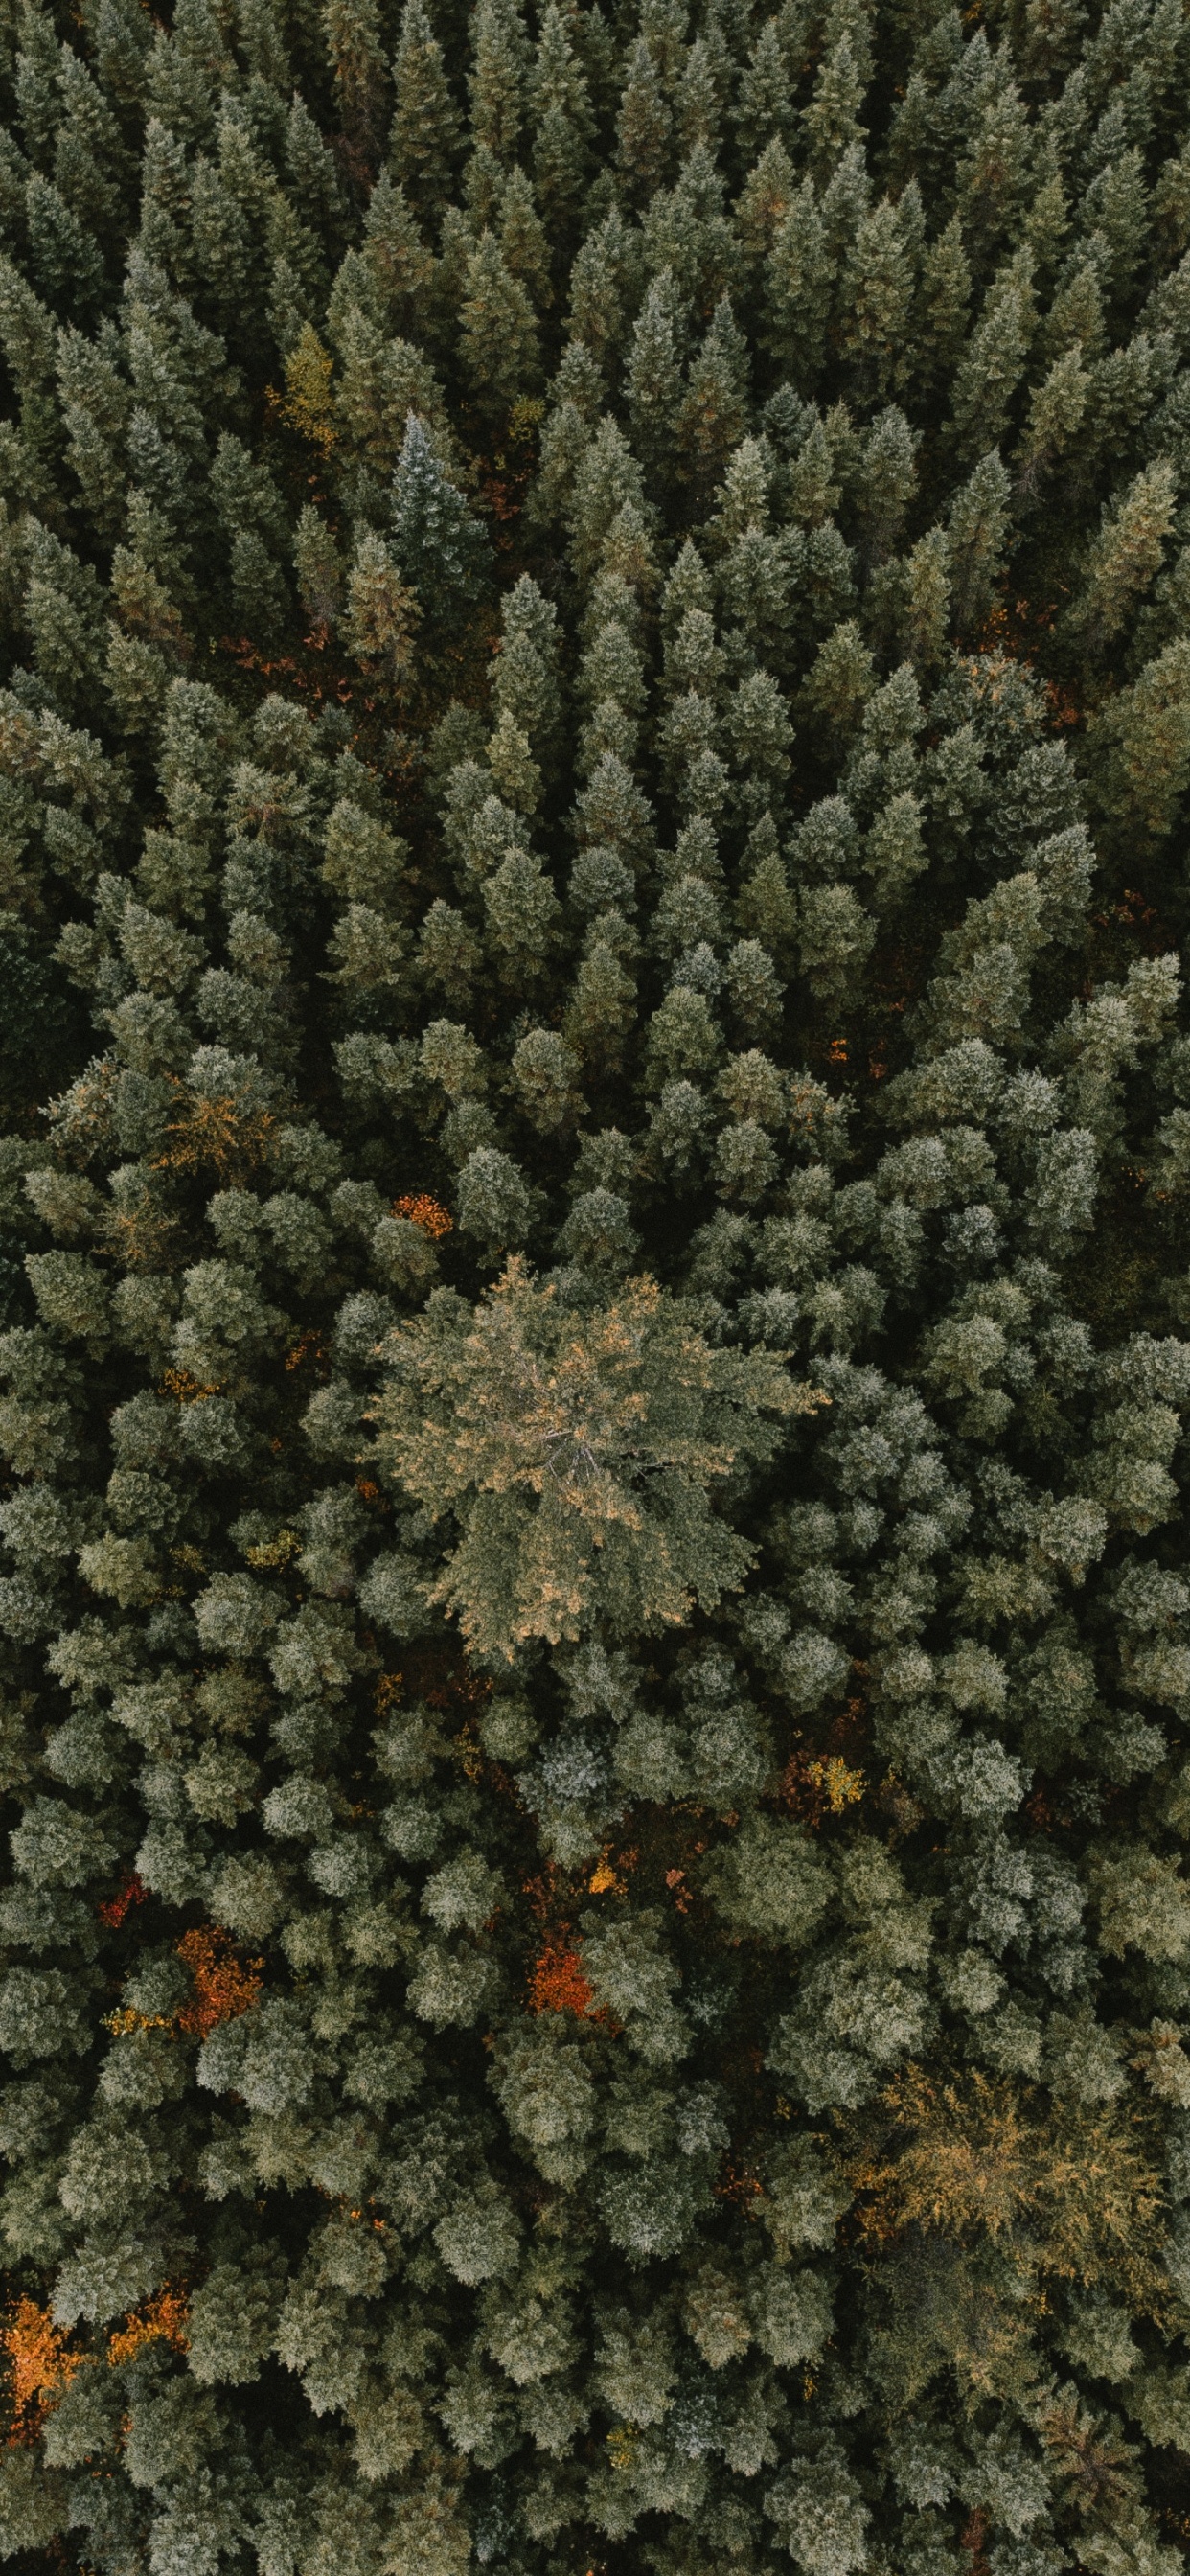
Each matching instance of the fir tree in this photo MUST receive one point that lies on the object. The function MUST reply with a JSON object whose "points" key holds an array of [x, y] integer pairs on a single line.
{"points": [[437, 543], [560, 108], [643, 125], [497, 79], [424, 126], [353, 42], [498, 344]]}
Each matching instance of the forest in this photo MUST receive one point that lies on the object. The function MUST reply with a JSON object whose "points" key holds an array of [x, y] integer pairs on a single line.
{"points": [[595, 1285]]}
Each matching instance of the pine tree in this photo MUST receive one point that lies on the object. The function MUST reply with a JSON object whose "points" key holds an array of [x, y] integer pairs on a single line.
{"points": [[993, 362], [1127, 556], [831, 120], [319, 570], [765, 110], [399, 266], [601, 280], [424, 128], [713, 413], [311, 173], [764, 200], [653, 376], [876, 289], [496, 82], [523, 245], [943, 303], [380, 382], [798, 280], [643, 125], [64, 258], [381, 613], [498, 344], [554, 1563], [976, 531], [560, 108], [526, 684], [354, 46], [437, 542], [698, 104]]}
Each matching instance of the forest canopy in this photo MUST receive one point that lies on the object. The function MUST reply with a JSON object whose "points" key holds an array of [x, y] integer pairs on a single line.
{"points": [[595, 1284]]}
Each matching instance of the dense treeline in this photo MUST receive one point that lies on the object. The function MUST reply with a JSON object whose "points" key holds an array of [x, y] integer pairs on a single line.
{"points": [[596, 1276]]}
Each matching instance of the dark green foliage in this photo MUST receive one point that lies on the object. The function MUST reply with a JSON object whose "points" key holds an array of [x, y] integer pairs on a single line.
{"points": [[438, 544], [595, 1284]]}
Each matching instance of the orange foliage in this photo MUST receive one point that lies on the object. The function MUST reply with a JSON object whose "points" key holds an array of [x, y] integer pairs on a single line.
{"points": [[39, 2364], [161, 2320], [308, 1346], [424, 1211], [140, 1237], [126, 2018], [218, 1134], [826, 1781], [468, 1751], [186, 1389], [1063, 711], [558, 1984], [836, 1782], [281, 666], [223, 1986], [114, 1908], [978, 2157], [739, 2183]]}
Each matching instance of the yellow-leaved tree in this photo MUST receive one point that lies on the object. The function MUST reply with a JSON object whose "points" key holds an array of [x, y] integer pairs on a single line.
{"points": [[574, 1451]]}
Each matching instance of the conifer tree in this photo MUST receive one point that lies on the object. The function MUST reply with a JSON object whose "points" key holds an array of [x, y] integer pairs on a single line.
{"points": [[496, 81], [560, 109], [424, 125], [644, 124], [353, 42], [498, 339]]}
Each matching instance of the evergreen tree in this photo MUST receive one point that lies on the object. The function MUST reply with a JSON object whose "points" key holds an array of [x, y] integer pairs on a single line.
{"points": [[523, 245], [353, 42], [496, 82], [560, 108], [798, 283], [437, 542], [498, 345], [423, 133], [643, 125], [698, 102], [993, 362], [831, 120], [653, 379]]}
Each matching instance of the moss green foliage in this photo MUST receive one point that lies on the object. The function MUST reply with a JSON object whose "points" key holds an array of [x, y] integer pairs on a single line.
{"points": [[594, 1288]]}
